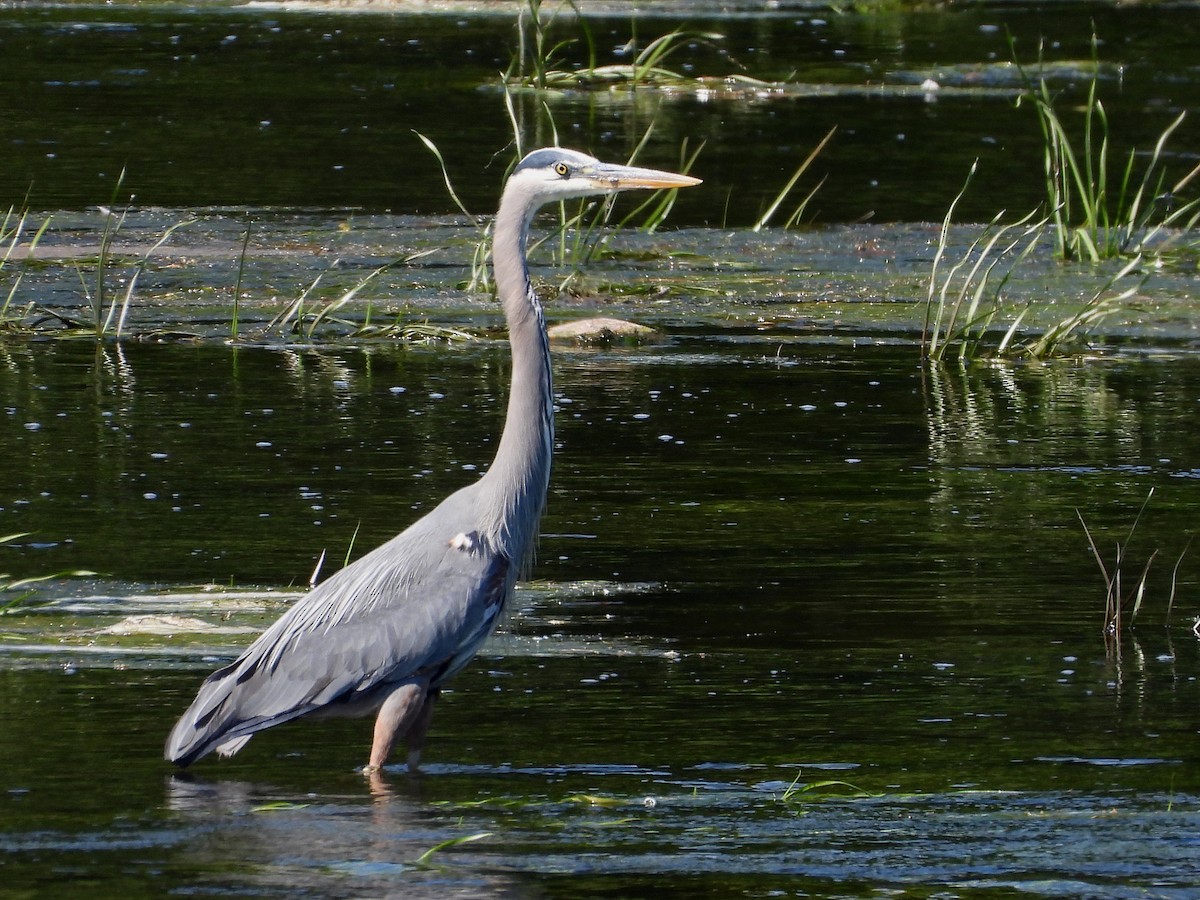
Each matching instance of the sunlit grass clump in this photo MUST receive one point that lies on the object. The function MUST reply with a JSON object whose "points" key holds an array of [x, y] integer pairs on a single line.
{"points": [[1095, 211], [1103, 208], [969, 313], [535, 63]]}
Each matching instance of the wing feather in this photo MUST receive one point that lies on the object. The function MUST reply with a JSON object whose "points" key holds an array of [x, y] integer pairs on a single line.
{"points": [[418, 606]]}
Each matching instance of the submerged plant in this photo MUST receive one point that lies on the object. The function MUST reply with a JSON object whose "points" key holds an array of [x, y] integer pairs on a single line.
{"points": [[16, 592], [1098, 213], [795, 792], [427, 856]]}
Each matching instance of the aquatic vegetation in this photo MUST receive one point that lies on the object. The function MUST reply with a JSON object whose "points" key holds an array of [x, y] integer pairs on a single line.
{"points": [[480, 276], [534, 62], [794, 218], [109, 310], [1121, 606], [12, 231], [21, 587], [961, 305], [425, 857], [237, 284], [646, 71], [304, 315], [1098, 215], [279, 806], [964, 301], [535, 54], [797, 791]]}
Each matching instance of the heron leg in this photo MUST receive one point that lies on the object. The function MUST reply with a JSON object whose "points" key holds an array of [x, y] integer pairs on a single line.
{"points": [[400, 711], [415, 739]]}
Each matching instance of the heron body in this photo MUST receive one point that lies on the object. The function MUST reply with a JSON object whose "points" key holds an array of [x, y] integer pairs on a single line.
{"points": [[383, 634]]}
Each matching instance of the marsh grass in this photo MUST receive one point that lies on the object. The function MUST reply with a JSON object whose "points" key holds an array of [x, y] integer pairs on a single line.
{"points": [[535, 63], [1100, 211], [535, 55], [237, 284], [1110, 298], [110, 310], [798, 213], [1123, 601], [13, 229], [966, 299], [309, 312], [647, 70], [480, 277]]}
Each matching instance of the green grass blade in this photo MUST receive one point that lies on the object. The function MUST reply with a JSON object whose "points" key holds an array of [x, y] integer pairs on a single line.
{"points": [[791, 183], [425, 857]]}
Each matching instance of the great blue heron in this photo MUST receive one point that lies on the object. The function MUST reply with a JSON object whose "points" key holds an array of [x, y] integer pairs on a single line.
{"points": [[384, 633]]}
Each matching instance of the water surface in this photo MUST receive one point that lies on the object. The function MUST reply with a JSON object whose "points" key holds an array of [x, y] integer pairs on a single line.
{"points": [[759, 563], [326, 117], [808, 617]]}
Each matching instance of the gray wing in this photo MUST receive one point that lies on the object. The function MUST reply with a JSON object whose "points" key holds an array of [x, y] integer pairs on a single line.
{"points": [[419, 606]]}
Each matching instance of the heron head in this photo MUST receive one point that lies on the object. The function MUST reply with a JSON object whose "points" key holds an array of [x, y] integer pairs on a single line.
{"points": [[555, 173]]}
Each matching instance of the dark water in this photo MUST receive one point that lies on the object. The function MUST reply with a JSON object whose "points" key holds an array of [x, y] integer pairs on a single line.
{"points": [[222, 106], [760, 562], [809, 619]]}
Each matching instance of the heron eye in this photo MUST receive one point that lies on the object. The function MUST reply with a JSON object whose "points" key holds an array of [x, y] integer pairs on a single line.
{"points": [[562, 169]]}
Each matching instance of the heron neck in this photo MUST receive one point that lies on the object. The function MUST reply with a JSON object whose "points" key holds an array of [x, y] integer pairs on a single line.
{"points": [[520, 473]]}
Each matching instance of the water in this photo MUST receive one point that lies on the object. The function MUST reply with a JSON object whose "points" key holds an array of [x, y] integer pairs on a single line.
{"points": [[834, 568], [326, 120], [808, 618]]}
